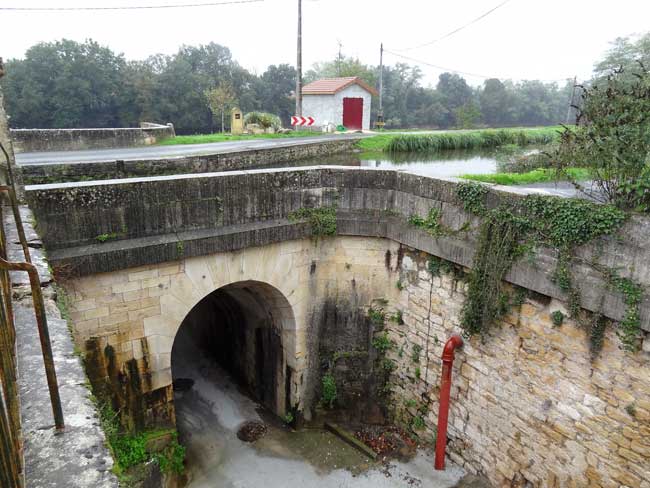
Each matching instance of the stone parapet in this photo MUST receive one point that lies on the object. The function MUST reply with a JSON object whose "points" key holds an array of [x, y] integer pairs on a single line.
{"points": [[38, 140]]}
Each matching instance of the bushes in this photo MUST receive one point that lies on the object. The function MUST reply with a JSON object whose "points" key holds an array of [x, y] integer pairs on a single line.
{"points": [[263, 119], [612, 139]]}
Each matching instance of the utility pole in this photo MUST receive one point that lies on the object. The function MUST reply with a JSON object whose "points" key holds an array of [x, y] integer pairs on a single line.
{"points": [[299, 64], [380, 113], [571, 103], [339, 59]]}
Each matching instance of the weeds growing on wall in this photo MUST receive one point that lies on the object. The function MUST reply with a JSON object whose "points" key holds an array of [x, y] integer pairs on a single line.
{"points": [[322, 220], [377, 316], [131, 450], [436, 265], [430, 223], [518, 227], [382, 343], [330, 393], [107, 237]]}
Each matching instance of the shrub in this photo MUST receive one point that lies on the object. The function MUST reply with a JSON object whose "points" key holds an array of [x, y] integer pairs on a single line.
{"points": [[263, 119], [612, 139]]}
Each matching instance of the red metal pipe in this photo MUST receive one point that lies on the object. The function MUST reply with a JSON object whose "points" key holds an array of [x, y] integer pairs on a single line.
{"points": [[454, 342]]}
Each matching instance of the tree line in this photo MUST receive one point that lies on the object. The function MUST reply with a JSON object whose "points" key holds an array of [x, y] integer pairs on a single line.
{"points": [[71, 84]]}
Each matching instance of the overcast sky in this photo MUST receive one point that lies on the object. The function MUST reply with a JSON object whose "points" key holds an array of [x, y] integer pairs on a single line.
{"points": [[524, 39]]}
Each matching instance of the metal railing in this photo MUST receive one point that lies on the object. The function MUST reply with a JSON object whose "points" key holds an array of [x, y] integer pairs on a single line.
{"points": [[10, 435]]}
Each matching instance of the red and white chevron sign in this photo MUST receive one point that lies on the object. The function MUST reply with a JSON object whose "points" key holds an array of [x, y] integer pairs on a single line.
{"points": [[308, 121]]}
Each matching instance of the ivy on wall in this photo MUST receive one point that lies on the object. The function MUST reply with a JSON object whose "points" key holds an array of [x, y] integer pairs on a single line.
{"points": [[518, 226]]}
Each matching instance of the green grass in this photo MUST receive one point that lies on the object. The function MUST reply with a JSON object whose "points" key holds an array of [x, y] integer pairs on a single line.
{"points": [[535, 176], [471, 139], [205, 138]]}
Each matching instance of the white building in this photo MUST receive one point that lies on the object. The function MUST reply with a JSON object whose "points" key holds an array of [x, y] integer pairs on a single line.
{"points": [[340, 101]]}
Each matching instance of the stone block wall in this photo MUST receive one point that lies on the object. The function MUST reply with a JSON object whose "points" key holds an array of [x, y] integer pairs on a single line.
{"points": [[37, 140], [126, 321], [529, 406]]}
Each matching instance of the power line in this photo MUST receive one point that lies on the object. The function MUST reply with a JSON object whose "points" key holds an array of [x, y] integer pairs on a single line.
{"points": [[131, 7], [449, 34], [466, 73]]}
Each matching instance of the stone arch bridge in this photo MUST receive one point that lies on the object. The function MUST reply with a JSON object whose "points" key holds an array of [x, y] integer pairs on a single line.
{"points": [[144, 259]]}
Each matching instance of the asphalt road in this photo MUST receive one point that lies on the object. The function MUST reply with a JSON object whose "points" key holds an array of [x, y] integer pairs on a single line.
{"points": [[155, 152]]}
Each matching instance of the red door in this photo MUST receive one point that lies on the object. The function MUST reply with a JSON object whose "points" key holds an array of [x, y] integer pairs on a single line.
{"points": [[353, 113]]}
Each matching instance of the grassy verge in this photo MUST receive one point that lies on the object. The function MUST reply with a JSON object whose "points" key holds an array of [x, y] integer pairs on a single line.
{"points": [[470, 139], [205, 138], [535, 176]]}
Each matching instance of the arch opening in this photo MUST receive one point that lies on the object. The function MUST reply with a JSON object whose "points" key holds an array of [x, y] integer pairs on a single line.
{"points": [[237, 331]]}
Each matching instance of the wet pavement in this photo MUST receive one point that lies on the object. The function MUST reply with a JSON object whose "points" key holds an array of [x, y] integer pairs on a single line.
{"points": [[211, 411]]}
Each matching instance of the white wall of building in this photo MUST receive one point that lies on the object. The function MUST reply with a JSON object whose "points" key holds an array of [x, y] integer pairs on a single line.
{"points": [[329, 108]]}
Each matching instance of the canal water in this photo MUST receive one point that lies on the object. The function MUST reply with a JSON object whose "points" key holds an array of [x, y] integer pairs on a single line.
{"points": [[210, 412], [452, 163]]}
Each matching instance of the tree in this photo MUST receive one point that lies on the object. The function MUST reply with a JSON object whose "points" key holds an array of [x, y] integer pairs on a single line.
{"points": [[65, 84], [344, 67], [274, 91], [455, 93], [468, 115], [612, 139], [496, 103], [220, 99], [624, 53]]}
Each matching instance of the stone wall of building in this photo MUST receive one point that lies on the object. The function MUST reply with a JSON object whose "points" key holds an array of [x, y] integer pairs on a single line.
{"points": [[37, 140], [529, 405]]}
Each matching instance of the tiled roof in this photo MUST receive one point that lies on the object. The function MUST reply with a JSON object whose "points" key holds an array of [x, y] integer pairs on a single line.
{"points": [[330, 86]]}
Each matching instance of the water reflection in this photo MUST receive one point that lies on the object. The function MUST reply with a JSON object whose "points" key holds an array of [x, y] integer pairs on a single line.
{"points": [[441, 164], [437, 164]]}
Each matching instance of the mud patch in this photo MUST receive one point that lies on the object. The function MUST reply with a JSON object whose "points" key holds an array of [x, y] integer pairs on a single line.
{"points": [[251, 431], [388, 442]]}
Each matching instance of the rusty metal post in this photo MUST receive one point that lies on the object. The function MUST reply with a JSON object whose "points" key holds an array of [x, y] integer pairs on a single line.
{"points": [[37, 297], [44, 335]]}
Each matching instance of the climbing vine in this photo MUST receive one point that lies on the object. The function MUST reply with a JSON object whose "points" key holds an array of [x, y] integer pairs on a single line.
{"points": [[517, 227], [498, 248], [629, 328]]}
